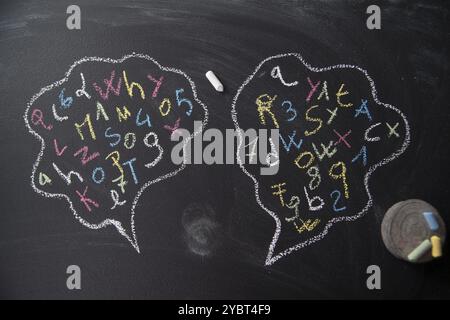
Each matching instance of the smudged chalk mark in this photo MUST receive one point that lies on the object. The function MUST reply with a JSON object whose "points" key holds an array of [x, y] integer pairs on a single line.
{"points": [[201, 229]]}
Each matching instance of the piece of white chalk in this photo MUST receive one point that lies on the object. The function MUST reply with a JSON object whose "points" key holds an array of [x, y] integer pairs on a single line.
{"points": [[214, 81]]}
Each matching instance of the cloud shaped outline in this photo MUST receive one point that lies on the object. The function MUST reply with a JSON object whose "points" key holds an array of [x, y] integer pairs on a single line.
{"points": [[133, 237], [271, 258]]}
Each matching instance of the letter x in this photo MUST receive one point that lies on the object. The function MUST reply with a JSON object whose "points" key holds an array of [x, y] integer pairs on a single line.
{"points": [[392, 130], [342, 138]]}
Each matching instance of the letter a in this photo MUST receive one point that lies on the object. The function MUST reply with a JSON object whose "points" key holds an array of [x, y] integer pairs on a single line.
{"points": [[374, 20], [374, 280], [74, 280], [74, 20]]}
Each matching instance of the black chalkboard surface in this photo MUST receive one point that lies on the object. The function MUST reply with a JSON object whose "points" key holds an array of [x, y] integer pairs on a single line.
{"points": [[77, 99]]}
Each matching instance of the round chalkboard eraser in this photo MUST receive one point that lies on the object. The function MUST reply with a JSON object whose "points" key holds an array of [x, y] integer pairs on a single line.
{"points": [[414, 231]]}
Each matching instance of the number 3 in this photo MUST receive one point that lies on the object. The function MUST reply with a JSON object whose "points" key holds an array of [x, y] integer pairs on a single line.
{"points": [[290, 109]]}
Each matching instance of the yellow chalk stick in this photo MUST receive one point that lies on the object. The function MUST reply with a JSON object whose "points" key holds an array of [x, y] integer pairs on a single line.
{"points": [[419, 251], [436, 247]]}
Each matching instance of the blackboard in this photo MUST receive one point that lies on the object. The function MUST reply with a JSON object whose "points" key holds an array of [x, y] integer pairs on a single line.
{"points": [[202, 233]]}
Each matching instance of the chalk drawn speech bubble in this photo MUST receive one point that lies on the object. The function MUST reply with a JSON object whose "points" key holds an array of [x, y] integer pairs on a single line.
{"points": [[105, 131], [334, 133]]}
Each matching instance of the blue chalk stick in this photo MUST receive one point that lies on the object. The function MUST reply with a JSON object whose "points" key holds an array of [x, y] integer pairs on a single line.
{"points": [[431, 220]]}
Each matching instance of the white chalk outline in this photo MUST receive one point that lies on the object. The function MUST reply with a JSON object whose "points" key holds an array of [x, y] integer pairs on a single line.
{"points": [[117, 224], [270, 259]]}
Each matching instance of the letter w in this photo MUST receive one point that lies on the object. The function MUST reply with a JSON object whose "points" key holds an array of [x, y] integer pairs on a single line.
{"points": [[291, 137], [109, 86]]}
